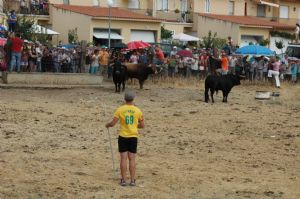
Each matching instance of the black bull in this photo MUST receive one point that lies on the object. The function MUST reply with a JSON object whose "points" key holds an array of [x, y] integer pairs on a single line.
{"points": [[122, 72], [224, 83]]}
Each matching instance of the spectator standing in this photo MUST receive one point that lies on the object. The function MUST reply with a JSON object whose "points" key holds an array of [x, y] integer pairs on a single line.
{"points": [[17, 44], [172, 63], [95, 62], [23, 6], [232, 64], [203, 60], [288, 72], [224, 64], [195, 66], [39, 61], [266, 68], [24, 59], [143, 58], [56, 62], [41, 6], [12, 21], [239, 65], [87, 61], [65, 61], [260, 67], [294, 70], [253, 68], [173, 51], [134, 58], [104, 58], [32, 59], [47, 61], [159, 55], [181, 67], [2, 31]]}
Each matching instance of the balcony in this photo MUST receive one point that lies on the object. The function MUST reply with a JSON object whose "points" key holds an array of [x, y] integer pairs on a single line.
{"points": [[28, 8], [167, 15]]}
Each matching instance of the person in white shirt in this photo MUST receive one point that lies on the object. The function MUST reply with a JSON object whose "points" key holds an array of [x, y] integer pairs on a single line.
{"points": [[194, 66], [297, 30], [174, 51]]}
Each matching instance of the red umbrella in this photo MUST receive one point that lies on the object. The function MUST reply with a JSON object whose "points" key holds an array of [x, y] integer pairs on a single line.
{"points": [[137, 45], [185, 53], [2, 41]]}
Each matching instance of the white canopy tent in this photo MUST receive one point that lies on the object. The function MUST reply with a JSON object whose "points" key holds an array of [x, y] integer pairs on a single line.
{"points": [[42, 30], [184, 37]]}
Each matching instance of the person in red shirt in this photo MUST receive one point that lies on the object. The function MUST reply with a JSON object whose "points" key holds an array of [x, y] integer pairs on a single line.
{"points": [[159, 55], [16, 48]]}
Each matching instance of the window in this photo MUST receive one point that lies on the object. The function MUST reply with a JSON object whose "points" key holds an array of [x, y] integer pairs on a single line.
{"points": [[134, 4], [261, 10], [162, 4], [183, 5], [284, 12], [67, 2], [207, 5], [231, 8], [96, 2]]}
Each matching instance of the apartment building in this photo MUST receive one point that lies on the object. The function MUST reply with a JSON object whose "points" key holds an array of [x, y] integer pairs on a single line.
{"points": [[248, 20]]}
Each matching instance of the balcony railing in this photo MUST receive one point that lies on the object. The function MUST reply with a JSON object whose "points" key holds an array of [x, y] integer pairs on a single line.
{"points": [[27, 8], [168, 15]]}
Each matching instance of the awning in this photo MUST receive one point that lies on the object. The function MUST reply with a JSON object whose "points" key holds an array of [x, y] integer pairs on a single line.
{"points": [[267, 3], [185, 37], [104, 35], [142, 35], [42, 30]]}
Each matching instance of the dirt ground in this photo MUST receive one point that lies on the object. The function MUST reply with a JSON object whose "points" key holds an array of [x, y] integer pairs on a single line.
{"points": [[53, 143]]}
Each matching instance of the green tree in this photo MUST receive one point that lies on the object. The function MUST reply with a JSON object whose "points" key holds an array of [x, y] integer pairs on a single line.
{"points": [[166, 34], [212, 41], [264, 42], [73, 36], [279, 45], [25, 28]]}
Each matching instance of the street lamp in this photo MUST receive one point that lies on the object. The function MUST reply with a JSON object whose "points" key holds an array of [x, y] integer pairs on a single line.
{"points": [[110, 4]]}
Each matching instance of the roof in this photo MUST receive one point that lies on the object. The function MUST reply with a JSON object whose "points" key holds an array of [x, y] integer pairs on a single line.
{"points": [[248, 21], [95, 11]]}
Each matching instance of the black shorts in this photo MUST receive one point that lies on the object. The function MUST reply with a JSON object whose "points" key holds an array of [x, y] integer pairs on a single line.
{"points": [[127, 144]]}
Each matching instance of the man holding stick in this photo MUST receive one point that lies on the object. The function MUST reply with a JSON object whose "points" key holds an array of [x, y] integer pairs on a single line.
{"points": [[131, 118]]}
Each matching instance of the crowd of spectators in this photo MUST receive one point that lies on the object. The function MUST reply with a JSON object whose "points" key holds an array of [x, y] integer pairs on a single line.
{"points": [[35, 57], [206, 61]]}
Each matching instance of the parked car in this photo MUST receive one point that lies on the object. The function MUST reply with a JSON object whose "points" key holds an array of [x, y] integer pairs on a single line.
{"points": [[166, 48], [293, 50]]}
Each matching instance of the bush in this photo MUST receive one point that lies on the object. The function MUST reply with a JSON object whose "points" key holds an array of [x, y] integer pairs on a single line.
{"points": [[287, 35]]}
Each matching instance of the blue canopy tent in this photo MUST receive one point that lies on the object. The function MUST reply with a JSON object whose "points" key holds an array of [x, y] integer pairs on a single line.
{"points": [[254, 50]]}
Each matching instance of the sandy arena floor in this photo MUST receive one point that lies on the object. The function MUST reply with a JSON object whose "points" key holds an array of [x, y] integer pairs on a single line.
{"points": [[53, 143]]}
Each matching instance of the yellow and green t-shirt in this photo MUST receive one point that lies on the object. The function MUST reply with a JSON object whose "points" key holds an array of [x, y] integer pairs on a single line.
{"points": [[129, 116]]}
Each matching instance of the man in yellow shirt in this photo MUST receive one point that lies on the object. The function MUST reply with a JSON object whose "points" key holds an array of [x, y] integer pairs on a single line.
{"points": [[131, 118], [104, 59]]}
